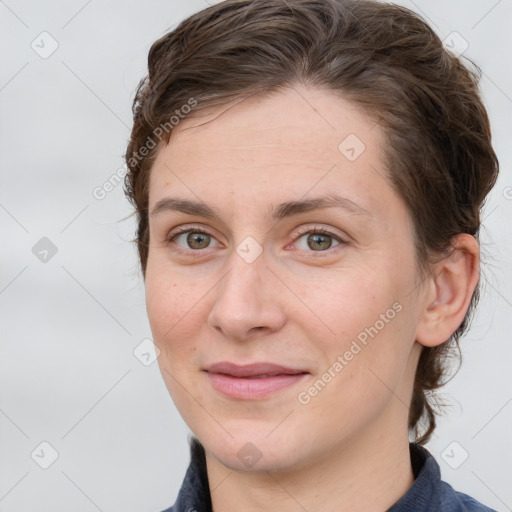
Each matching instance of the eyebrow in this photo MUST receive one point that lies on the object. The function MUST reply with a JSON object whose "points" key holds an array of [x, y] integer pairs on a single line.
{"points": [[276, 212]]}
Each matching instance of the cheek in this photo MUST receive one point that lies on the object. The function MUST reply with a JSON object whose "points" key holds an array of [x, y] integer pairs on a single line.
{"points": [[347, 301], [371, 334], [172, 305], [173, 312]]}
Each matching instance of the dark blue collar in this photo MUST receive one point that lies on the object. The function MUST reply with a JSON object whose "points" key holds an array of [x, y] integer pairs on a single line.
{"points": [[428, 493]]}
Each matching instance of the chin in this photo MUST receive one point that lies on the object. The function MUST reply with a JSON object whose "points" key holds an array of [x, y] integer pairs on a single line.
{"points": [[258, 452]]}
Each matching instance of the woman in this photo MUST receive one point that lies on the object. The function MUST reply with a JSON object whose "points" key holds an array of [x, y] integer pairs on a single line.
{"points": [[308, 179]]}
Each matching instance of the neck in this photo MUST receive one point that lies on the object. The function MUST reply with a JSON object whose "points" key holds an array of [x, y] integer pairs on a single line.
{"points": [[366, 474]]}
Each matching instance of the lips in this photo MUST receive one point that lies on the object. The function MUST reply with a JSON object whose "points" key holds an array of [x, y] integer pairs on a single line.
{"points": [[253, 381], [252, 371]]}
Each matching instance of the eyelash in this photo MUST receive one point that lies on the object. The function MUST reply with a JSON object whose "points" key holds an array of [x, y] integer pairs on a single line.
{"points": [[301, 232]]}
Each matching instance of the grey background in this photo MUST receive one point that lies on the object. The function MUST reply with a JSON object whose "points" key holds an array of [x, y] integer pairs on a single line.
{"points": [[70, 324]]}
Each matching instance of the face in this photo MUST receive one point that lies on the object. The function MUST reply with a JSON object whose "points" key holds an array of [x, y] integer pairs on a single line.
{"points": [[281, 281]]}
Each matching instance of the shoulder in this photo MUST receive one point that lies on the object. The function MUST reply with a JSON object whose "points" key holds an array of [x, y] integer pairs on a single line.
{"points": [[454, 501], [194, 493], [429, 493]]}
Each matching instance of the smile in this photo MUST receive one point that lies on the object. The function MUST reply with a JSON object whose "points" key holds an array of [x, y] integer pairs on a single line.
{"points": [[252, 382]]}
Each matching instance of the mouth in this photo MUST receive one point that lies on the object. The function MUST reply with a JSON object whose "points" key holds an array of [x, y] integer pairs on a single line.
{"points": [[252, 381]]}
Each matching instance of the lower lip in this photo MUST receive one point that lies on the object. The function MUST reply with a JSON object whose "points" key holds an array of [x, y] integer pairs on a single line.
{"points": [[246, 389]]}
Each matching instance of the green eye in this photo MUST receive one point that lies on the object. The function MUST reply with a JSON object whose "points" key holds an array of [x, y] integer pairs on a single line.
{"points": [[198, 240], [191, 239], [318, 241]]}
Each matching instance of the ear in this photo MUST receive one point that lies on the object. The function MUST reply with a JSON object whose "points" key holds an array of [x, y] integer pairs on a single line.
{"points": [[449, 292]]}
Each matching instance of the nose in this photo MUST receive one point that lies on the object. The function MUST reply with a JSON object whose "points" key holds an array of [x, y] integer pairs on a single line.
{"points": [[247, 301]]}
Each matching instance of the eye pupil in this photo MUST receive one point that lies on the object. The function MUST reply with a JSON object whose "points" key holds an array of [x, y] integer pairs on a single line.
{"points": [[198, 240], [319, 242]]}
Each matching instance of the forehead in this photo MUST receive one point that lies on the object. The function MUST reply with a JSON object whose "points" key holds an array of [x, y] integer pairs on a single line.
{"points": [[287, 144]]}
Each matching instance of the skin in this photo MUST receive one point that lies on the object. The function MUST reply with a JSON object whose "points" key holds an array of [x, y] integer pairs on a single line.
{"points": [[301, 307]]}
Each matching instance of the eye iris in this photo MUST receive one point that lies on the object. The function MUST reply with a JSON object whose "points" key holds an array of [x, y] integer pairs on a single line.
{"points": [[318, 241], [198, 240]]}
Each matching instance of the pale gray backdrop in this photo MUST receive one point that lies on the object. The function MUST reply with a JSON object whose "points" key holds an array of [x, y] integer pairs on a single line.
{"points": [[78, 395]]}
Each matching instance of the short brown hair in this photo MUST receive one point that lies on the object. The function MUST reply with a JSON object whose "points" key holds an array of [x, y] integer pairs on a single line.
{"points": [[383, 57]]}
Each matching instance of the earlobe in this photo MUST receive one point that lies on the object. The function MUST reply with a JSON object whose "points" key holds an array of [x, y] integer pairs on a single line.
{"points": [[452, 284]]}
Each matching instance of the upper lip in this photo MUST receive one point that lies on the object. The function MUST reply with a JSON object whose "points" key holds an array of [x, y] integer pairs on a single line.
{"points": [[251, 370]]}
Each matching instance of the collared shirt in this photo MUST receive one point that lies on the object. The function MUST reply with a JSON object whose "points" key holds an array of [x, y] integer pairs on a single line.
{"points": [[428, 493]]}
